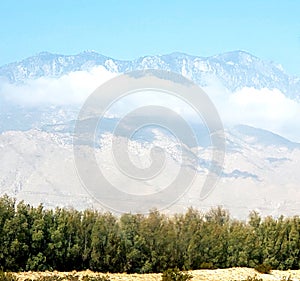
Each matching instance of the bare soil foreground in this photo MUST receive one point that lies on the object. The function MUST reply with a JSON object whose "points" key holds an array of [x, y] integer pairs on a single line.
{"points": [[198, 275]]}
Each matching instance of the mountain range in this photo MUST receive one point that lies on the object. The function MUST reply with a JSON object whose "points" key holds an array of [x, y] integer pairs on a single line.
{"points": [[260, 170], [234, 70]]}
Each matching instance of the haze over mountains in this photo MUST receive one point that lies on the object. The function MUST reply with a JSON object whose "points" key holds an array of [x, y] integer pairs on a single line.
{"points": [[41, 96]]}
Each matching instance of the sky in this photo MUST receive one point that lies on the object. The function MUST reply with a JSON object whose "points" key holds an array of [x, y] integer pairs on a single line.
{"points": [[268, 29]]}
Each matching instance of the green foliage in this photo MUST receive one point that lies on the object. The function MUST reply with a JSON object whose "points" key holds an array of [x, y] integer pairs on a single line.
{"points": [[253, 278], [71, 277], [175, 275], [207, 265], [38, 239], [51, 278], [263, 268], [95, 278], [7, 276]]}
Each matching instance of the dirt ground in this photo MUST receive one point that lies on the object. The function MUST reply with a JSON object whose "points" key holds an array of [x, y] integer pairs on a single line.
{"points": [[198, 275]]}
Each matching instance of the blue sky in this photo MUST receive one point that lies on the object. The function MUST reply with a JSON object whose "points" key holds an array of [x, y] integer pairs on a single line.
{"points": [[129, 29]]}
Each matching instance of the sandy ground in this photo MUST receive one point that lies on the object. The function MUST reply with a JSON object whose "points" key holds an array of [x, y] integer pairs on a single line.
{"points": [[198, 275]]}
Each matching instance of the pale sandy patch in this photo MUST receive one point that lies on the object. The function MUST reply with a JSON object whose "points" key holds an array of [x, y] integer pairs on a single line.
{"points": [[229, 274]]}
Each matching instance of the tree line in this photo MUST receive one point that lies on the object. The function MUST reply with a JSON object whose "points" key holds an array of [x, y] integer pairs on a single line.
{"points": [[35, 238]]}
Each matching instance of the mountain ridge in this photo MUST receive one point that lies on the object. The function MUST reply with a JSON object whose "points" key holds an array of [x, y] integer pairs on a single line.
{"points": [[235, 69], [260, 170]]}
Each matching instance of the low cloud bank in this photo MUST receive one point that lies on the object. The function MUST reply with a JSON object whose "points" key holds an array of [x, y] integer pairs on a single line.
{"points": [[72, 88], [263, 108]]}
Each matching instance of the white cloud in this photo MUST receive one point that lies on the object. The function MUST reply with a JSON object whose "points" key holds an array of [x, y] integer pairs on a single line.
{"points": [[68, 89], [263, 105], [264, 108], [261, 108]]}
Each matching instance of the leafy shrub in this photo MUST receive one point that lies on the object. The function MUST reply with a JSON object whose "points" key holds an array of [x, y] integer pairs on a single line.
{"points": [[207, 265], [73, 278], [50, 278], [175, 275], [253, 278], [286, 279], [7, 276], [70, 277], [263, 268], [95, 278]]}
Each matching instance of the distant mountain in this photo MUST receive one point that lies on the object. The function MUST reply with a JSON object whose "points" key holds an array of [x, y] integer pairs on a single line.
{"points": [[37, 160], [234, 70], [256, 136], [39, 167]]}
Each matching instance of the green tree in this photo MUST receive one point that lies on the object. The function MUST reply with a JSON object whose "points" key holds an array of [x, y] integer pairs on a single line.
{"points": [[17, 240], [105, 244], [7, 212], [37, 247]]}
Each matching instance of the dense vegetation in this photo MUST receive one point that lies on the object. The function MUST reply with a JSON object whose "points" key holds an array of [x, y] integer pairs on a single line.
{"points": [[175, 275], [40, 239], [8, 276]]}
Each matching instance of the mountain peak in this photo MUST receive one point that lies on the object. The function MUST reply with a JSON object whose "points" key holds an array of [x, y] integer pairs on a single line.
{"points": [[44, 53], [235, 69], [237, 57]]}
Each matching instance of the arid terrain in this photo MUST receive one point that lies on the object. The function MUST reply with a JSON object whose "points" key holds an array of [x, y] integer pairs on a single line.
{"points": [[198, 275]]}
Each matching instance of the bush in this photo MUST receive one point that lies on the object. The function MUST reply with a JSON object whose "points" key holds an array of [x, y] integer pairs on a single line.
{"points": [[263, 268], [253, 278], [175, 275], [69, 277], [7, 276], [207, 265], [97, 278], [50, 278]]}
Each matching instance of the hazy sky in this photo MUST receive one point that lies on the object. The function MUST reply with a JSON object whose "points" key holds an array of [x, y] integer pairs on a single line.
{"points": [[269, 29]]}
